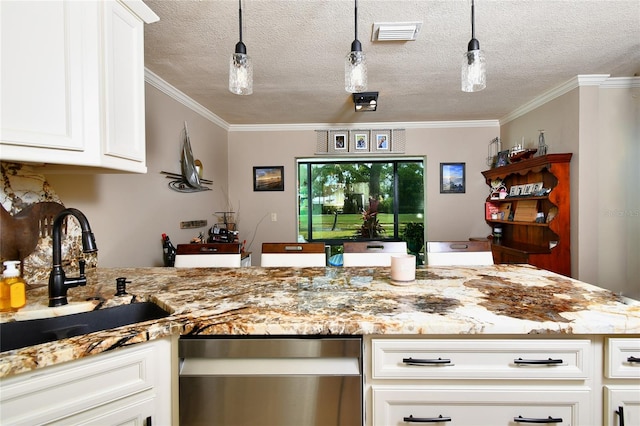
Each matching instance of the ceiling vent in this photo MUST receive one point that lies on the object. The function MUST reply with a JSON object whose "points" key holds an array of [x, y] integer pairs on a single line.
{"points": [[395, 31]]}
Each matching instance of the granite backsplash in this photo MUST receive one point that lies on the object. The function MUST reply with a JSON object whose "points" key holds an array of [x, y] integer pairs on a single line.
{"points": [[22, 186]]}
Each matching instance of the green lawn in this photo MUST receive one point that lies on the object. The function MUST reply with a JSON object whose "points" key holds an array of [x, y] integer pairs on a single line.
{"points": [[347, 224]]}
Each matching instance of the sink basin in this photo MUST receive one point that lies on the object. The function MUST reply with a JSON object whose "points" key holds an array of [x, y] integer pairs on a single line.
{"points": [[20, 334]]}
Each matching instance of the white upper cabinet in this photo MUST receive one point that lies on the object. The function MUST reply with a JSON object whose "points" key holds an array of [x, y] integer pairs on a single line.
{"points": [[73, 83]]}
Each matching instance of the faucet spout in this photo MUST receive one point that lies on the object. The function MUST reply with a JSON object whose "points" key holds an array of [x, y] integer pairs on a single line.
{"points": [[58, 282]]}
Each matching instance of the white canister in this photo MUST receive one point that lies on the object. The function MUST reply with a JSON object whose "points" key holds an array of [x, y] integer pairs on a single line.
{"points": [[403, 268]]}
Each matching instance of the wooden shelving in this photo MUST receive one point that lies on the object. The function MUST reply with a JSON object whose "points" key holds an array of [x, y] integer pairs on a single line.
{"points": [[546, 244]]}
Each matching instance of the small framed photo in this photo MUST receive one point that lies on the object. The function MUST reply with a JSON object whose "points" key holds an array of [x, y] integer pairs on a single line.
{"points": [[503, 158], [452, 178], [514, 191], [382, 140], [527, 189], [340, 141], [361, 141], [537, 188], [269, 178]]}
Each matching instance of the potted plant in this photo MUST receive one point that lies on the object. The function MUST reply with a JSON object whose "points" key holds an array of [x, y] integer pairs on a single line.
{"points": [[413, 234]]}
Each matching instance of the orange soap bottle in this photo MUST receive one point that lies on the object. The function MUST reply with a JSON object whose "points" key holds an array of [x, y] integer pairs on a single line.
{"points": [[13, 289]]}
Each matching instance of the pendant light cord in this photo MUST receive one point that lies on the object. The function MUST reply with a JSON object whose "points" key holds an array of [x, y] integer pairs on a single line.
{"points": [[473, 20], [240, 18], [355, 15]]}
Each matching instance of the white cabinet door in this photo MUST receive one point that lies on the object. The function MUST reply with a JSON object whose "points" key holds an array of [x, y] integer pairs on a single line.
{"points": [[73, 83], [621, 405], [477, 406], [48, 105], [123, 90], [90, 388]]}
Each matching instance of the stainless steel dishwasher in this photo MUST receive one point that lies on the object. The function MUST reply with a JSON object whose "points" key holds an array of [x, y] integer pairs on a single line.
{"points": [[271, 381]]}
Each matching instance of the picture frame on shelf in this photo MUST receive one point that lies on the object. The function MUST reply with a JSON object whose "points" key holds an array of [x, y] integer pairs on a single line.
{"points": [[452, 178], [340, 141], [382, 141], [526, 190], [360, 140], [268, 178], [502, 158], [514, 191]]}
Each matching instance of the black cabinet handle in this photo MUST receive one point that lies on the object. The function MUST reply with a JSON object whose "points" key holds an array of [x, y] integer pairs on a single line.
{"points": [[439, 361], [549, 419], [633, 359], [438, 419], [620, 413], [147, 421], [549, 361]]}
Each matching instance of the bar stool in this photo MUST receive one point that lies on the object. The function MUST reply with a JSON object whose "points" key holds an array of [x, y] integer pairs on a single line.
{"points": [[214, 255], [371, 253], [293, 254], [452, 253]]}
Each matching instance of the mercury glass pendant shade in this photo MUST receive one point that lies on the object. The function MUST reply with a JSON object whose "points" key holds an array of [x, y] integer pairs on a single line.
{"points": [[474, 75], [240, 74], [240, 65], [355, 72], [355, 65]]}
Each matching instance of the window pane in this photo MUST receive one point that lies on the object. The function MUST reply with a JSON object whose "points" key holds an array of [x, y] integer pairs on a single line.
{"points": [[356, 200]]}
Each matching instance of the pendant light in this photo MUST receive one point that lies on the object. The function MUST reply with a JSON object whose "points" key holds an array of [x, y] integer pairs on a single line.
{"points": [[240, 66], [474, 77], [355, 66]]}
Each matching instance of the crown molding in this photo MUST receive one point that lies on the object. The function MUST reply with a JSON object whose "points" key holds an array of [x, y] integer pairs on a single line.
{"points": [[621, 83], [356, 126], [166, 88], [556, 92]]}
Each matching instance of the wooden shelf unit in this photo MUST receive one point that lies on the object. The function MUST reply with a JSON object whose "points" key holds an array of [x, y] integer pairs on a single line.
{"points": [[545, 245]]}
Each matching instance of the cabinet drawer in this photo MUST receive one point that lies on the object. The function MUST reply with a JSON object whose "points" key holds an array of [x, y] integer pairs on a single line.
{"points": [[482, 359], [626, 397], [480, 406], [622, 358], [60, 391]]}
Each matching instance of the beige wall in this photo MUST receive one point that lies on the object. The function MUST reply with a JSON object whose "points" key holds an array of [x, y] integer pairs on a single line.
{"points": [[129, 212], [449, 216], [600, 126]]}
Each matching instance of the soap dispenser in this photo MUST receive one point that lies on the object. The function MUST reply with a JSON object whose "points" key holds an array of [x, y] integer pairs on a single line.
{"points": [[13, 295]]}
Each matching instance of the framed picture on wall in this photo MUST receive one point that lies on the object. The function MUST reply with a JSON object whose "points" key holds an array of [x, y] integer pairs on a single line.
{"points": [[361, 141], [270, 178], [340, 141], [452, 178], [382, 141]]}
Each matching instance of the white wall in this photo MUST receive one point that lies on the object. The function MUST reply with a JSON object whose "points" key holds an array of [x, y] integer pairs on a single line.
{"points": [[129, 212], [449, 216], [600, 125]]}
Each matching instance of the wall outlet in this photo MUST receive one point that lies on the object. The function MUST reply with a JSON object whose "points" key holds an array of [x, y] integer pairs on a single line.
{"points": [[274, 217]]}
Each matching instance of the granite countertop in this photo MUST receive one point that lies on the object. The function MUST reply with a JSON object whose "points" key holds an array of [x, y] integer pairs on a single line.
{"points": [[494, 300]]}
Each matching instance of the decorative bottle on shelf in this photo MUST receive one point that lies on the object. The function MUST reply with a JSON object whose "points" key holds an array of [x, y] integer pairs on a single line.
{"points": [[542, 147], [169, 251]]}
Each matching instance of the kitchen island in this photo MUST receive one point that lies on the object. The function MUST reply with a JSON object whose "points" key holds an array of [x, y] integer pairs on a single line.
{"points": [[473, 308], [482, 300]]}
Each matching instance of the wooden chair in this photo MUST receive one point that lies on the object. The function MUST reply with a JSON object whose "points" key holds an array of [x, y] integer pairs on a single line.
{"points": [[218, 255], [449, 253], [371, 253], [293, 254]]}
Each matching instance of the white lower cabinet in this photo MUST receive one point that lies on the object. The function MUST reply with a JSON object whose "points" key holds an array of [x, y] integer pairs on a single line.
{"points": [[480, 406], [130, 386], [481, 381], [622, 382]]}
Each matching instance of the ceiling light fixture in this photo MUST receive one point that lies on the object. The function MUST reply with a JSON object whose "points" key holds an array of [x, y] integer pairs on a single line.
{"points": [[366, 101], [355, 66], [474, 73], [240, 66]]}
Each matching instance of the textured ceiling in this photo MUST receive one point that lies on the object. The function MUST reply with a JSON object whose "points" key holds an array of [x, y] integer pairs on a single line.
{"points": [[298, 49]]}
